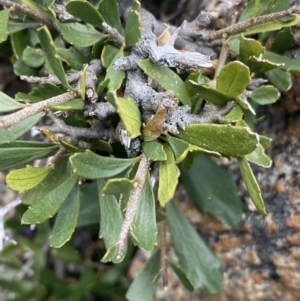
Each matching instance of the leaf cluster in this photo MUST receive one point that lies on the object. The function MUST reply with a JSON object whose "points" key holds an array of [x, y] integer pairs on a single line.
{"points": [[110, 150]]}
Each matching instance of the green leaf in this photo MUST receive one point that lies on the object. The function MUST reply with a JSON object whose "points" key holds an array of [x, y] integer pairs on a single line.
{"points": [[89, 212], [26, 178], [259, 65], [33, 57], [225, 139], [283, 41], [168, 177], [46, 207], [51, 55], [144, 228], [259, 157], [252, 186], [182, 276], [117, 186], [58, 175], [78, 34], [73, 57], [235, 114], [181, 148], [211, 95], [287, 63], [20, 69], [154, 151], [109, 55], [85, 11], [256, 8], [233, 79], [250, 47], [111, 221], [66, 219], [109, 11], [14, 27], [4, 17], [201, 267], [213, 190], [281, 79], [133, 31], [265, 95], [273, 25], [19, 153], [91, 166], [12, 133], [7, 104], [130, 116], [82, 82], [166, 78], [143, 287], [74, 104]]}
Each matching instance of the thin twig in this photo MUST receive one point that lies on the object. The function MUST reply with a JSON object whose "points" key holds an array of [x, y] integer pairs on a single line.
{"points": [[242, 26], [222, 58], [35, 108], [115, 36], [163, 253], [53, 79], [28, 12], [133, 203], [3, 211], [57, 156]]}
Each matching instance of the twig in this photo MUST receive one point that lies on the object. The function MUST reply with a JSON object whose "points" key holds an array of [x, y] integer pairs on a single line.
{"points": [[3, 211], [133, 203], [28, 12], [222, 58], [57, 156], [242, 26], [53, 79], [115, 36], [35, 108], [163, 253]]}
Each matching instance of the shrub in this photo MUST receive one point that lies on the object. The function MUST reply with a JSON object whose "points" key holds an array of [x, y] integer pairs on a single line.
{"points": [[123, 112]]}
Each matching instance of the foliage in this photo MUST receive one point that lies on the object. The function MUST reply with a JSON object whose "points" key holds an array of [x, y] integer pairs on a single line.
{"points": [[104, 135]]}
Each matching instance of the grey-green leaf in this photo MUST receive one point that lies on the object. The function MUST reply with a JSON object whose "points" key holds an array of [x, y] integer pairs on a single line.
{"points": [[66, 219], [12, 133], [252, 185], [7, 104], [109, 11], [265, 95], [79, 35], [49, 205], [166, 78], [85, 11], [201, 267], [133, 31], [213, 190], [58, 175], [111, 221], [143, 287], [154, 151], [19, 153], [4, 17], [233, 79], [219, 138], [51, 55], [91, 166], [144, 229], [117, 186]]}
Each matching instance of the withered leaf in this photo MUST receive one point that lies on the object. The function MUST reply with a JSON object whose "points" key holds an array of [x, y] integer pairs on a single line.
{"points": [[153, 128]]}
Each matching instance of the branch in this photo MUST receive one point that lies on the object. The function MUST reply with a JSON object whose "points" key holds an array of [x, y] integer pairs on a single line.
{"points": [[23, 9], [115, 36], [3, 211], [133, 203], [52, 79], [242, 26], [35, 108]]}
